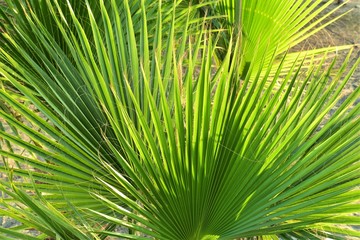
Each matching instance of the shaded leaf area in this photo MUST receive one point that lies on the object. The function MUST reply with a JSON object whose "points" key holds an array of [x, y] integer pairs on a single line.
{"points": [[139, 129]]}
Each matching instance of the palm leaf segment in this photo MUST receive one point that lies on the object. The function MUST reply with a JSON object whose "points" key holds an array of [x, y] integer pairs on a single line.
{"points": [[273, 26], [186, 155]]}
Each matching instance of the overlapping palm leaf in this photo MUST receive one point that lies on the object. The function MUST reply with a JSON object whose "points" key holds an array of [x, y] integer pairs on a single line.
{"points": [[18, 11], [66, 142], [241, 161], [143, 126], [276, 26], [71, 86]]}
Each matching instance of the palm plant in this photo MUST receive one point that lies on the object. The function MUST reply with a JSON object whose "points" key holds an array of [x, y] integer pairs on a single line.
{"points": [[274, 27], [137, 128]]}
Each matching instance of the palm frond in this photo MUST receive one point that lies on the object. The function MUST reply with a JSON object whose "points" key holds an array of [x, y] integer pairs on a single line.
{"points": [[137, 128], [274, 26], [240, 161]]}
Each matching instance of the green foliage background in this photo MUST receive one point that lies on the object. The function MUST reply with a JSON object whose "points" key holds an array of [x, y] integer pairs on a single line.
{"points": [[176, 120]]}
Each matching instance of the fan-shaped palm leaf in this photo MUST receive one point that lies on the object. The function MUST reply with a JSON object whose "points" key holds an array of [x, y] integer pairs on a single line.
{"points": [[146, 128], [274, 26]]}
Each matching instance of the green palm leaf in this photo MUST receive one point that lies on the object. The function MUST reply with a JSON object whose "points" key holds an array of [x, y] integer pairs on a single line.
{"points": [[274, 26], [251, 163], [139, 129]]}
